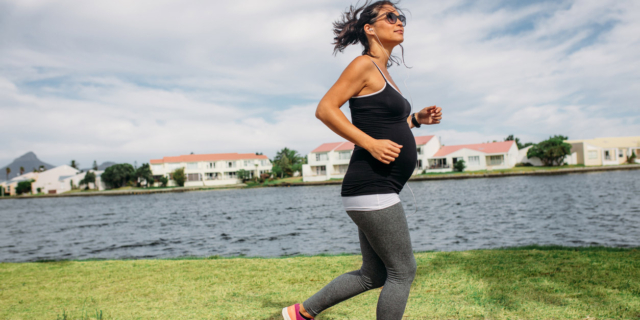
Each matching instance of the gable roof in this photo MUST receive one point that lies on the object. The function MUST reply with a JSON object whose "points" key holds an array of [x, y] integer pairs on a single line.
{"points": [[209, 157], [347, 145], [491, 147]]}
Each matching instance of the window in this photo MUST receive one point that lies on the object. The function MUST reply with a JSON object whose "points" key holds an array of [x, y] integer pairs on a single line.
{"points": [[192, 165], [419, 150], [593, 154], [212, 176], [474, 160], [211, 165], [248, 163], [264, 162], [321, 170], [495, 160], [620, 154], [156, 167], [343, 155], [231, 164], [231, 175], [322, 156], [419, 164], [193, 177], [607, 155]]}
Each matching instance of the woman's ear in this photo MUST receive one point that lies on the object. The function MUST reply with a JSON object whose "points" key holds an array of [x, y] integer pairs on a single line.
{"points": [[368, 29]]}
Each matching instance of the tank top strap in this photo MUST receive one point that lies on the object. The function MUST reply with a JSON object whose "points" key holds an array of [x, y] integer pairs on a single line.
{"points": [[375, 64]]}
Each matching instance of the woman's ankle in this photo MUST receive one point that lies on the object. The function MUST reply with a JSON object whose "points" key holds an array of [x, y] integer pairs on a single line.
{"points": [[304, 312]]}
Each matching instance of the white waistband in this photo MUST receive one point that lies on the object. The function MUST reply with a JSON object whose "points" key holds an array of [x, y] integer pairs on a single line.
{"points": [[370, 202]]}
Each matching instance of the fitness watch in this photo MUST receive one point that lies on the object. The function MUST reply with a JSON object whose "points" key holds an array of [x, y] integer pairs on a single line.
{"points": [[414, 120]]}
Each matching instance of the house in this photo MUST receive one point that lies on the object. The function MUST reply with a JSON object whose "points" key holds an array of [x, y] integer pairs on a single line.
{"points": [[211, 169], [331, 160], [10, 186], [603, 151], [49, 181], [482, 156], [66, 181]]}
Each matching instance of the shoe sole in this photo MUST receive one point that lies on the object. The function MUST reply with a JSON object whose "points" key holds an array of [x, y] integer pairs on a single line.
{"points": [[285, 314]]}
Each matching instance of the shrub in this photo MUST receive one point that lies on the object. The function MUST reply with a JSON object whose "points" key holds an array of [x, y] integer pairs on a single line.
{"points": [[551, 151], [164, 181], [632, 159], [459, 166], [179, 177], [524, 164], [24, 187], [118, 175]]}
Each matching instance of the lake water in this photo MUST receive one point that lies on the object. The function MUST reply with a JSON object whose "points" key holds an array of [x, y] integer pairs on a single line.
{"points": [[574, 210]]}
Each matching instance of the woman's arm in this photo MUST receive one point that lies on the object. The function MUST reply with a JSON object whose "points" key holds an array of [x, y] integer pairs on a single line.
{"points": [[352, 80]]}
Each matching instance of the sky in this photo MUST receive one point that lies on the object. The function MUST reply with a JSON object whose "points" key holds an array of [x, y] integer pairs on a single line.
{"points": [[129, 81]]}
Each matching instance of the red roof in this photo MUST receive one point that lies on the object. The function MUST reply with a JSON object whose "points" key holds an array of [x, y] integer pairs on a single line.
{"points": [[423, 140], [491, 147], [347, 145], [209, 157]]}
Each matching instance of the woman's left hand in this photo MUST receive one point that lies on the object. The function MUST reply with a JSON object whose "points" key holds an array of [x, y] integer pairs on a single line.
{"points": [[429, 115]]}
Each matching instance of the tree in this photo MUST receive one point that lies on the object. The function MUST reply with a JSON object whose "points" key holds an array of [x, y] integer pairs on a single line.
{"points": [[1, 191], [459, 166], [24, 186], [144, 172], [179, 176], [244, 175], [89, 177], [21, 170], [8, 172], [74, 164], [118, 175], [164, 181], [632, 158], [551, 151], [95, 165], [517, 140], [42, 168], [289, 161]]}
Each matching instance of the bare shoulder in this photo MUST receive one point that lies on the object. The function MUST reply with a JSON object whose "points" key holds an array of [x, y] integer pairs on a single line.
{"points": [[359, 67]]}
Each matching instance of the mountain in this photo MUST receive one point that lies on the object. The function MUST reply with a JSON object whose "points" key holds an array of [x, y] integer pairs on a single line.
{"points": [[103, 166], [28, 160]]}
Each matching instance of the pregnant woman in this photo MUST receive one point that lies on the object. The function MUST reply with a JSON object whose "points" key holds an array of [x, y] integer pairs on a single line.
{"points": [[383, 159]]}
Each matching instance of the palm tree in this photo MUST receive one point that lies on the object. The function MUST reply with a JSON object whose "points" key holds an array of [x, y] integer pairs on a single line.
{"points": [[42, 168], [288, 160], [21, 170], [74, 164], [8, 171]]}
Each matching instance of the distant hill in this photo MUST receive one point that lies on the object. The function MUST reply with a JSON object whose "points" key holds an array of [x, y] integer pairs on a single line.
{"points": [[103, 166], [28, 161]]}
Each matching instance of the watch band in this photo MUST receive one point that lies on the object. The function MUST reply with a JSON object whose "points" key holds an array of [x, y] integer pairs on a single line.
{"points": [[414, 120]]}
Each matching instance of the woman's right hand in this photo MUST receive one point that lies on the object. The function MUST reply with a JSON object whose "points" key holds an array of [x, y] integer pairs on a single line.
{"points": [[384, 150]]}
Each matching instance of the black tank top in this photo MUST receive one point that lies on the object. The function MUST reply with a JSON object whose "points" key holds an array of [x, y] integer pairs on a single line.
{"points": [[381, 115]]}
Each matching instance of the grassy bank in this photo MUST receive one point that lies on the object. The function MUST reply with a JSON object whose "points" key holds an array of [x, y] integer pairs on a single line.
{"points": [[524, 283]]}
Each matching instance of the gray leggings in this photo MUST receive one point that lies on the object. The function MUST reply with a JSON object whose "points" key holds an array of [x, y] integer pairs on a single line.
{"points": [[387, 262]]}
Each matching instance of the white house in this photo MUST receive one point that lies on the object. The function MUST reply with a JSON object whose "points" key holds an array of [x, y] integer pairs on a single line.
{"points": [[603, 151], [211, 169], [331, 160], [65, 181], [482, 156], [49, 181], [10, 186], [328, 161]]}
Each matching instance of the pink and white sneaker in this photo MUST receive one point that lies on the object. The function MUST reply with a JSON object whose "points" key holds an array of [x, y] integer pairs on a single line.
{"points": [[292, 313]]}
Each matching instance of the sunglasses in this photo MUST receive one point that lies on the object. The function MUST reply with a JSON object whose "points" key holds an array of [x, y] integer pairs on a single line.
{"points": [[393, 18]]}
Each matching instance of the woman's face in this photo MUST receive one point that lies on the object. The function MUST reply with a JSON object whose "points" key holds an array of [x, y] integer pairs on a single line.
{"points": [[386, 31]]}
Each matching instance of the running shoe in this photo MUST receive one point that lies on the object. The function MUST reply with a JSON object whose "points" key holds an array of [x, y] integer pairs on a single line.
{"points": [[292, 312]]}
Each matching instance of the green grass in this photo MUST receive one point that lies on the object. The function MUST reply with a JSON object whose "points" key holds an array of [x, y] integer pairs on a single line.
{"points": [[519, 283]]}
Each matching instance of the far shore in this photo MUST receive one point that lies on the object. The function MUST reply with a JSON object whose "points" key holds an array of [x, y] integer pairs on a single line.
{"points": [[297, 181]]}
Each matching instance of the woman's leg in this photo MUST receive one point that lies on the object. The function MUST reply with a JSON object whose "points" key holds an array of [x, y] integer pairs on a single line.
{"points": [[372, 274], [387, 259]]}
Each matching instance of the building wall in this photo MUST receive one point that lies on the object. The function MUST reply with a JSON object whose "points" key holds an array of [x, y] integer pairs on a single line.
{"points": [[50, 180], [427, 151]]}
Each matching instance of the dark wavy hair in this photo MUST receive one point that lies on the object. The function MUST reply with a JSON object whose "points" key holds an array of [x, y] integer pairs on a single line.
{"points": [[350, 28]]}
